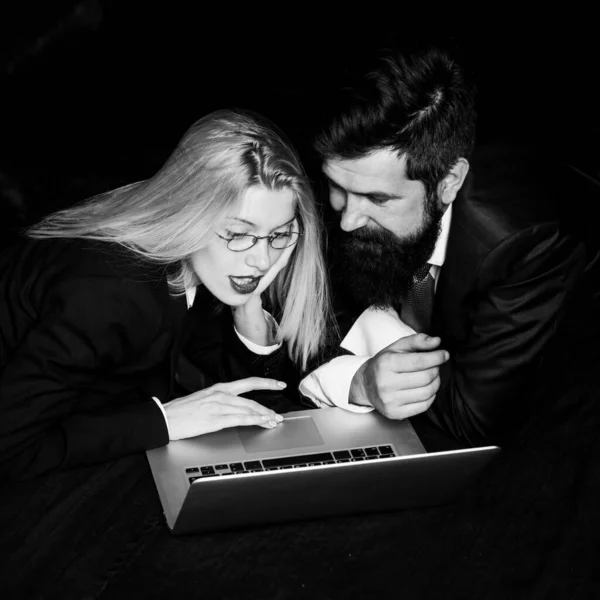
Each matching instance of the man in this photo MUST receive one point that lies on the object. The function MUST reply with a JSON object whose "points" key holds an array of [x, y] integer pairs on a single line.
{"points": [[419, 247]]}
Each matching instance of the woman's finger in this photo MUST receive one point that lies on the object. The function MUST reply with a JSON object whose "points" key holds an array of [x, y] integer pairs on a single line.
{"points": [[244, 420], [241, 386], [227, 404], [245, 404]]}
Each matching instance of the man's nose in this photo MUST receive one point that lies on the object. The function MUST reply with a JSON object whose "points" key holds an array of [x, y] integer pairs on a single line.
{"points": [[259, 256], [353, 215]]}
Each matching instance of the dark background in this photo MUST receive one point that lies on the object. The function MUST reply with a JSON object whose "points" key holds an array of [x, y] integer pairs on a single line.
{"points": [[96, 93]]}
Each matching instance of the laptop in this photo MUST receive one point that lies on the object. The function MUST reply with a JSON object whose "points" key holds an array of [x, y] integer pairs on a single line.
{"points": [[316, 463]]}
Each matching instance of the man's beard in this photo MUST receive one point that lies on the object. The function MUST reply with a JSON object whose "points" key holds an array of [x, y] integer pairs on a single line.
{"points": [[374, 267]]}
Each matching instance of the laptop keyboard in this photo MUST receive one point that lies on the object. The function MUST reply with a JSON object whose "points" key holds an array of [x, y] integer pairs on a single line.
{"points": [[290, 462]]}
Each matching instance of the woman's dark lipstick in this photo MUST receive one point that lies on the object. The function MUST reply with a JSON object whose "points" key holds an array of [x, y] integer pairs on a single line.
{"points": [[244, 285]]}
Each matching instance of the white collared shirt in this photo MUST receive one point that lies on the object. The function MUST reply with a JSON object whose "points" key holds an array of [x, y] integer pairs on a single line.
{"points": [[329, 385]]}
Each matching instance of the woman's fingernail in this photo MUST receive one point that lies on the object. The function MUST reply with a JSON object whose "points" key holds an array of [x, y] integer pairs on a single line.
{"points": [[446, 355], [273, 423], [279, 418], [282, 384]]}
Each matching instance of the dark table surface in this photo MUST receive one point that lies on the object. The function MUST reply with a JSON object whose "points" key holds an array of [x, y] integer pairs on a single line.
{"points": [[529, 527]]}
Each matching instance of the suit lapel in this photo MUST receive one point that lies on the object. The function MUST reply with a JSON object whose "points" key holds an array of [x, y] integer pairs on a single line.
{"points": [[184, 320], [458, 275]]}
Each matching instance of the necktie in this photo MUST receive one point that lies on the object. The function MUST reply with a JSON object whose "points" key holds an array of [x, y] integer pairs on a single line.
{"points": [[418, 301]]}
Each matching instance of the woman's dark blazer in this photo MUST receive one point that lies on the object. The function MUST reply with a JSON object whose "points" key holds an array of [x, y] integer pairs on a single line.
{"points": [[89, 333]]}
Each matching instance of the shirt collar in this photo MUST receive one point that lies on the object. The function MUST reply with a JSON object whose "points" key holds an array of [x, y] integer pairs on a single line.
{"points": [[439, 252]]}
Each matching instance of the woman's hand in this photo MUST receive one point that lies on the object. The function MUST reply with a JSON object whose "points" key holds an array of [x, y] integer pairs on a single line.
{"points": [[250, 321], [281, 261], [219, 406], [249, 318]]}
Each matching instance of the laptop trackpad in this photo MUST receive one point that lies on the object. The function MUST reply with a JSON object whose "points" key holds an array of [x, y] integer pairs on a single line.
{"points": [[295, 432]]}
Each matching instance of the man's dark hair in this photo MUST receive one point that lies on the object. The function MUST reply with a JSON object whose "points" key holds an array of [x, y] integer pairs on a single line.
{"points": [[419, 104]]}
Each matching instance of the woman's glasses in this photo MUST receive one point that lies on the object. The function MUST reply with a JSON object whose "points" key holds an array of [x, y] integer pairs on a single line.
{"points": [[244, 241]]}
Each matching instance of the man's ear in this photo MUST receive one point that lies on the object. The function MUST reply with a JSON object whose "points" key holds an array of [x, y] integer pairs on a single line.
{"points": [[449, 186]]}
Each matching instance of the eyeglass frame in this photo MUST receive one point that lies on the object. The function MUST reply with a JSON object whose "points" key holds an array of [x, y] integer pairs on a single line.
{"points": [[259, 237]]}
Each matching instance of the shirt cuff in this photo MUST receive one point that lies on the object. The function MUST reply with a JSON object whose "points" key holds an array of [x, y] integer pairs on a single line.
{"points": [[374, 330], [329, 385], [162, 410], [257, 349]]}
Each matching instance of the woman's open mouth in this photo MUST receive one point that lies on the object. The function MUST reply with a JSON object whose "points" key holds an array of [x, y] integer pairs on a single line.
{"points": [[244, 285]]}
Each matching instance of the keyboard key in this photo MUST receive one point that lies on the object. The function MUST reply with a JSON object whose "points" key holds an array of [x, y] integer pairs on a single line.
{"points": [[192, 470], [221, 467], [387, 456], [315, 464], [372, 451], [357, 458], [237, 473], [342, 460], [372, 457], [207, 470], [357, 452], [341, 454], [329, 462], [235, 467], [192, 479], [252, 465], [386, 450]]}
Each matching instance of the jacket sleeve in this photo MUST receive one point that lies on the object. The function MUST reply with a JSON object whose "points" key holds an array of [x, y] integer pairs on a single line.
{"points": [[69, 394], [523, 288]]}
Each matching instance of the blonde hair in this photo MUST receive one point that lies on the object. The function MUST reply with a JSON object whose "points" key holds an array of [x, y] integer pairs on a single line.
{"points": [[170, 216]]}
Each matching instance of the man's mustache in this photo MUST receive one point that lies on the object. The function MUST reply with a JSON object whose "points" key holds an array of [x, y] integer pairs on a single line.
{"points": [[366, 235]]}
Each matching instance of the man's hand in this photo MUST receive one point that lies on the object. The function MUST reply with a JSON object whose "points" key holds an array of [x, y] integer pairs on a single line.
{"points": [[402, 379], [219, 406]]}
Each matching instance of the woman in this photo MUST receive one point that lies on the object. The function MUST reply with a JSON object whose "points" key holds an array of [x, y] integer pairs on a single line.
{"points": [[93, 302]]}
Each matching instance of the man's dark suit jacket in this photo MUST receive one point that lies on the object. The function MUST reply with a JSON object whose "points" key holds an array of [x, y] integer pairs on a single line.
{"points": [[509, 269], [88, 335]]}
